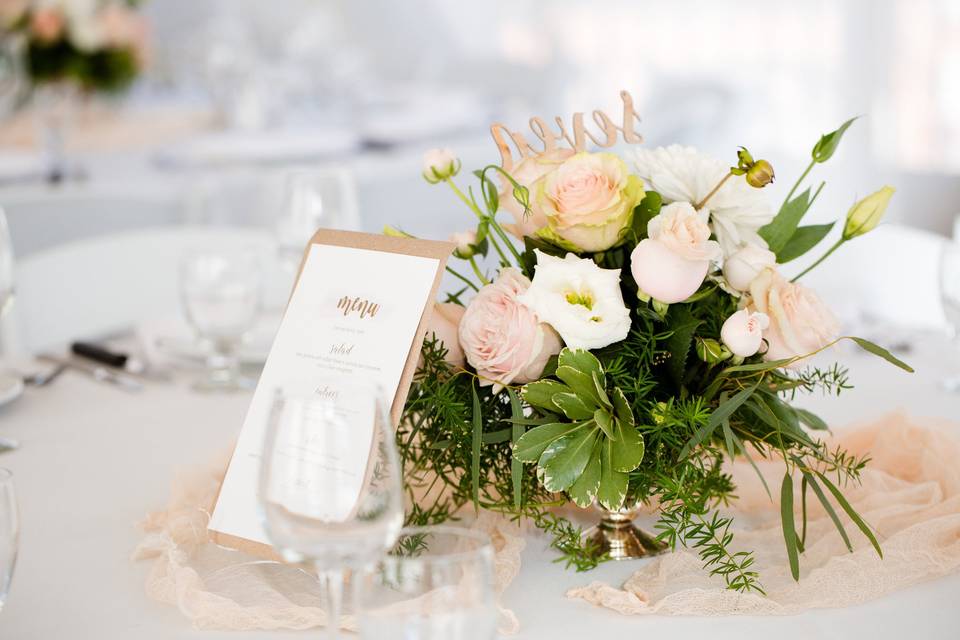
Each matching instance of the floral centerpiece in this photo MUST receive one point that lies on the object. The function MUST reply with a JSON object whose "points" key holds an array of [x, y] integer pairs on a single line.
{"points": [[96, 45], [69, 50], [637, 333]]}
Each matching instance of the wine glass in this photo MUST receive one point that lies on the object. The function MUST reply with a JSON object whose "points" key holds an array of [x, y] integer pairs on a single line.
{"points": [[436, 584], [330, 482], [221, 292], [9, 532], [950, 296], [6, 266], [313, 199]]}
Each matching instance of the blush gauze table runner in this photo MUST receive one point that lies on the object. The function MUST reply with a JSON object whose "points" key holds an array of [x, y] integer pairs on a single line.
{"points": [[910, 494]]}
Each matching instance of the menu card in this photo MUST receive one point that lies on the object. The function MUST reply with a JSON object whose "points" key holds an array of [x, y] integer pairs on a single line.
{"points": [[358, 312]]}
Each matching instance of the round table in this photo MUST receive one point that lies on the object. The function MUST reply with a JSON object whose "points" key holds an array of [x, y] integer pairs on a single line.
{"points": [[95, 459]]}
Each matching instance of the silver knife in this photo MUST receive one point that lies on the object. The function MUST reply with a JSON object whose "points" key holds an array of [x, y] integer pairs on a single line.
{"points": [[97, 372]]}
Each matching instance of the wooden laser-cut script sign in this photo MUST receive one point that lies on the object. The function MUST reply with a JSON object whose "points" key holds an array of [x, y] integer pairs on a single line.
{"points": [[577, 141]]}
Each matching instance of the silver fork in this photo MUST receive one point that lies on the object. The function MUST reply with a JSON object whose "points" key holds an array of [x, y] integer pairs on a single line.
{"points": [[43, 378]]}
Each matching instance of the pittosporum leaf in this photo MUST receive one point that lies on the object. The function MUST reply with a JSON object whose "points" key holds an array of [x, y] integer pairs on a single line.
{"points": [[532, 444], [564, 460]]}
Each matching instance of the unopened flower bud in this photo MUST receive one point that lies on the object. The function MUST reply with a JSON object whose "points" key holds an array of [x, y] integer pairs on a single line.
{"points": [[393, 232], [760, 174], [865, 215], [466, 242], [439, 165], [711, 351]]}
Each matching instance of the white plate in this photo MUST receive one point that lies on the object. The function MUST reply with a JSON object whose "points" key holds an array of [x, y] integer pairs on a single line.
{"points": [[10, 388]]}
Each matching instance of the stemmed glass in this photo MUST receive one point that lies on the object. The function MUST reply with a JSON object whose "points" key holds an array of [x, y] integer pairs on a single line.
{"points": [[950, 296], [6, 266], [436, 584], [221, 294], [313, 199], [9, 532], [330, 482]]}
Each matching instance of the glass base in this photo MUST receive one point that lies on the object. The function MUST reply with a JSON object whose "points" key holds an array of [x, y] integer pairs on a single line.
{"points": [[617, 536], [214, 384]]}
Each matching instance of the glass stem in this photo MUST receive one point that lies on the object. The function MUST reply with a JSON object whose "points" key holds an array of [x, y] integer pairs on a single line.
{"points": [[222, 364], [332, 583]]}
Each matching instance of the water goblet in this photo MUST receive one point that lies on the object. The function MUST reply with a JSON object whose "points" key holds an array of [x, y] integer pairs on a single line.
{"points": [[436, 584], [221, 293], [330, 482], [9, 532]]}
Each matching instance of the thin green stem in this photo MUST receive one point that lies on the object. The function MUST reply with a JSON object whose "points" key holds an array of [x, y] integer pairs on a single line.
{"points": [[713, 192], [466, 280], [796, 185], [822, 258], [493, 223], [476, 270]]}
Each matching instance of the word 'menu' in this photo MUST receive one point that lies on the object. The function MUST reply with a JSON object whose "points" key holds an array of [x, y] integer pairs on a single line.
{"points": [[365, 308]]}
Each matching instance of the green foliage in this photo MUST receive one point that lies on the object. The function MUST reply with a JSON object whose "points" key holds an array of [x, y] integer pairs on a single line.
{"points": [[828, 142], [803, 239], [595, 443], [108, 70]]}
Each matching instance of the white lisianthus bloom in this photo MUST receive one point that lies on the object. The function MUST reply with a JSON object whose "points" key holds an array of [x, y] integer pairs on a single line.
{"points": [[579, 299], [683, 174]]}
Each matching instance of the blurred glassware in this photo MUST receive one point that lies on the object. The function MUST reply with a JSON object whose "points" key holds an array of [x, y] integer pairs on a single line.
{"points": [[330, 484], [950, 296], [9, 532], [313, 199], [7, 290], [436, 584], [221, 293], [56, 105]]}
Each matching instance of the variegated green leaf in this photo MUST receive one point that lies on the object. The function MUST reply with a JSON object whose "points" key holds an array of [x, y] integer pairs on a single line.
{"points": [[564, 460], [627, 452], [613, 483], [584, 491], [540, 394], [606, 423], [622, 407], [573, 406], [531, 445]]}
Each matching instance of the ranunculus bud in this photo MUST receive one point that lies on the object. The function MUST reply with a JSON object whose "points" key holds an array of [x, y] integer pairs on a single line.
{"points": [[440, 164], [742, 332], [760, 174], [865, 215], [745, 264], [466, 242]]}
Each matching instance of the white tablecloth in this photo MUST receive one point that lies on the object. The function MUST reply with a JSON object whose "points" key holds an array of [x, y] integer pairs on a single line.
{"points": [[94, 459]]}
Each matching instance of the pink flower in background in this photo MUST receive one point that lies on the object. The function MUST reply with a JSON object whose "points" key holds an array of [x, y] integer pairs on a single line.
{"points": [[444, 325], [742, 332], [671, 264], [11, 11], [503, 339], [122, 28], [527, 173], [46, 25], [799, 321]]}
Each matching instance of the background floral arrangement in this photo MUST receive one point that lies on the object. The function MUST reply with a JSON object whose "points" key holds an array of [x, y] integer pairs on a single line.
{"points": [[642, 336], [98, 45]]}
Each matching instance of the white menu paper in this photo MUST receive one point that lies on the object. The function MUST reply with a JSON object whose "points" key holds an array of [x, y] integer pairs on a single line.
{"points": [[354, 314]]}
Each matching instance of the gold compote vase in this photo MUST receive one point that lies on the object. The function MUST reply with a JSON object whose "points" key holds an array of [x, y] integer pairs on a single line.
{"points": [[617, 536]]}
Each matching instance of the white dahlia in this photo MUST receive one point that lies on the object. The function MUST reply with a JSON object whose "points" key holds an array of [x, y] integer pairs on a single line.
{"points": [[683, 174]]}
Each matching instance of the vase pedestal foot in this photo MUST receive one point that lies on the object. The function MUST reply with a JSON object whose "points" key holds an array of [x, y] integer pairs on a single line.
{"points": [[617, 536]]}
